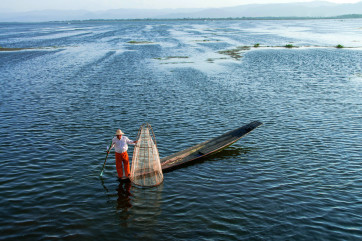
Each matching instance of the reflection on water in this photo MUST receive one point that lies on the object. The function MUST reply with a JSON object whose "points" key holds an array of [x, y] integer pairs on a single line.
{"points": [[146, 205], [134, 204], [296, 177], [229, 152], [124, 202]]}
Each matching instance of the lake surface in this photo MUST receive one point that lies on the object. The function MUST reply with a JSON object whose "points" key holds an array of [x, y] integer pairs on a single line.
{"points": [[297, 177]]}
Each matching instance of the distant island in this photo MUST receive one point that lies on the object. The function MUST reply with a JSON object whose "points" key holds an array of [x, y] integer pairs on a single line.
{"points": [[301, 10]]}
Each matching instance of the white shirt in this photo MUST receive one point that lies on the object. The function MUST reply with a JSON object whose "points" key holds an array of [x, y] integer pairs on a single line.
{"points": [[120, 145]]}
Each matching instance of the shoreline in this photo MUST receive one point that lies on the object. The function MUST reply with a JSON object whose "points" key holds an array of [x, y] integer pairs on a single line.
{"points": [[338, 17]]}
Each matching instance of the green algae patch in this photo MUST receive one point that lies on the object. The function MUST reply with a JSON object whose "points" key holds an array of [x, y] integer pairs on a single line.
{"points": [[140, 42], [289, 46], [235, 53]]}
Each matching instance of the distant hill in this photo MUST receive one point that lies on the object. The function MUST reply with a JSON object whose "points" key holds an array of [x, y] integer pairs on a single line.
{"points": [[305, 9]]}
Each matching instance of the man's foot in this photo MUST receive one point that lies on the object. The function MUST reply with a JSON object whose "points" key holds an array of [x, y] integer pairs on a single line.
{"points": [[123, 178]]}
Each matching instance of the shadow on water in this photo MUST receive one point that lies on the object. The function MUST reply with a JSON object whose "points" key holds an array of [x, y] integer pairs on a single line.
{"points": [[222, 154], [231, 152], [135, 205]]}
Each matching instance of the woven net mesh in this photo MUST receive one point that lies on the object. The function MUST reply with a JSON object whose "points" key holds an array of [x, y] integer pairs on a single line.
{"points": [[146, 166]]}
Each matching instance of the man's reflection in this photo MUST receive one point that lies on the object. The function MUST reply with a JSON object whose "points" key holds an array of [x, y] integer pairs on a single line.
{"points": [[124, 193], [124, 202], [134, 202]]}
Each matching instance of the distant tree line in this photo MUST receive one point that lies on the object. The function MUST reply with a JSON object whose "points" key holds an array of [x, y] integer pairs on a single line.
{"points": [[347, 16]]}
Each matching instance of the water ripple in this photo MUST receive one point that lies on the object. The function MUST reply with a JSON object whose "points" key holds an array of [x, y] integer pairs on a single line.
{"points": [[295, 177]]}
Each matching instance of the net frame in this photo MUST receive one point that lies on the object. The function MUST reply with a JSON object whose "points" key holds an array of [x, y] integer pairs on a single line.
{"points": [[146, 170]]}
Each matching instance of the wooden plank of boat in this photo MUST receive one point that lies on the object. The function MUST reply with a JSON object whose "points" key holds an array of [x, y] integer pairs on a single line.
{"points": [[206, 148]]}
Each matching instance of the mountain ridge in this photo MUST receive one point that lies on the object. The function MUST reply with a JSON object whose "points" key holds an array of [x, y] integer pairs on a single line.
{"points": [[298, 9]]}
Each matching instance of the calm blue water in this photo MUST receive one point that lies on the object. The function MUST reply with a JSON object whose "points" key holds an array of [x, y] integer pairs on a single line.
{"points": [[297, 177]]}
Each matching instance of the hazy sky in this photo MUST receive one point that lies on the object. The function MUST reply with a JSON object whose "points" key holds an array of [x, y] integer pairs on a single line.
{"points": [[94, 5]]}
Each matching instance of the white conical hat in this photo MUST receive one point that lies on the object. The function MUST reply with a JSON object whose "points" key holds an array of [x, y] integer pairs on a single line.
{"points": [[119, 132]]}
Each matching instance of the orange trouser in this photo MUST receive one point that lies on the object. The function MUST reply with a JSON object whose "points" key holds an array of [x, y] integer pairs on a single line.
{"points": [[122, 157]]}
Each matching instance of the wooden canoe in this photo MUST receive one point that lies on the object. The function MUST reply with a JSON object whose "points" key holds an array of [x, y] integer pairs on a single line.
{"points": [[206, 148]]}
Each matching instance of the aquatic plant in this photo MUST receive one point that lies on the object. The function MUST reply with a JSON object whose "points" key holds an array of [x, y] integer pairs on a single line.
{"points": [[139, 42], [28, 48], [339, 46], [177, 57], [289, 46], [173, 57], [207, 40], [10, 49], [182, 62], [235, 53]]}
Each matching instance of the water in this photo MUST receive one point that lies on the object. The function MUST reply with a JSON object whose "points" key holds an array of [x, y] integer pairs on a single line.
{"points": [[297, 177]]}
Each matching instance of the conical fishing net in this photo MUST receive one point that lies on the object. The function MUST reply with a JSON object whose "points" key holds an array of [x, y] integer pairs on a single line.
{"points": [[146, 166]]}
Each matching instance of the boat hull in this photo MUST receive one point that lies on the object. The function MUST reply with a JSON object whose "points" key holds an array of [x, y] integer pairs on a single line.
{"points": [[206, 148]]}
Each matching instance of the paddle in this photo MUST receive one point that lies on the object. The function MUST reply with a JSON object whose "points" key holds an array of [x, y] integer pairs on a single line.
{"points": [[106, 158]]}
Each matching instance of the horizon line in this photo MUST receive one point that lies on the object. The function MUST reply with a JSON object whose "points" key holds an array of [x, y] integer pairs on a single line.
{"points": [[168, 8]]}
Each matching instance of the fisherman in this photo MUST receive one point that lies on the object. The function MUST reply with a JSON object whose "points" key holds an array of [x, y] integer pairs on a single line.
{"points": [[120, 144]]}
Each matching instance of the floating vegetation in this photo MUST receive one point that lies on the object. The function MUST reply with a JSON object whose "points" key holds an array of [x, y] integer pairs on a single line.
{"points": [[184, 62], [33, 48], [174, 62], [289, 46], [140, 42], [211, 60], [12, 49], [207, 41], [172, 57], [235, 53]]}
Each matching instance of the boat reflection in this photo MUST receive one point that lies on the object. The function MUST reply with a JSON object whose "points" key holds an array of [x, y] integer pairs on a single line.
{"points": [[222, 154]]}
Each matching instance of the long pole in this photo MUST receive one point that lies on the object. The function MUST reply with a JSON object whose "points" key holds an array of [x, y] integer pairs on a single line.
{"points": [[104, 164]]}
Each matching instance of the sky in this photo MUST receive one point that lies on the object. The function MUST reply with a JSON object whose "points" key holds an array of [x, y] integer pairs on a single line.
{"points": [[97, 5]]}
